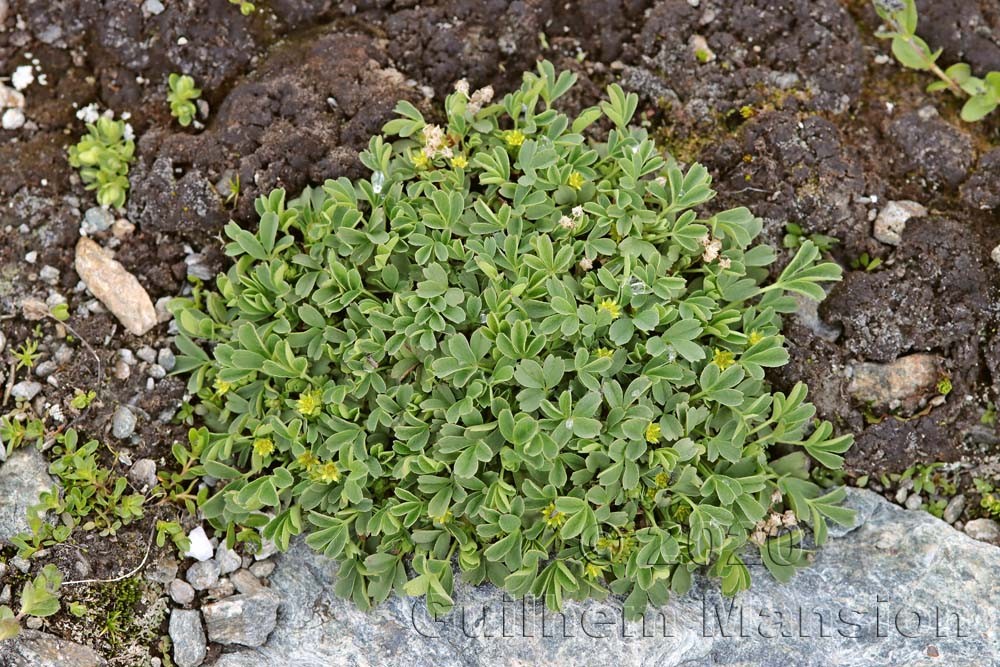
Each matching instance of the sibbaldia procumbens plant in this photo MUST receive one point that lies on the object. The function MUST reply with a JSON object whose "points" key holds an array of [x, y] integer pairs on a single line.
{"points": [[513, 350]]}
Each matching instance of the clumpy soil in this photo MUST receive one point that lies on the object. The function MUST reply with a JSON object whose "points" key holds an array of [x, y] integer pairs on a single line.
{"points": [[790, 103]]}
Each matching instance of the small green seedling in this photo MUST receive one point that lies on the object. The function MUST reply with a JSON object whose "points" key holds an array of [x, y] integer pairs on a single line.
{"points": [[39, 598], [182, 91], [103, 156], [246, 8], [983, 95]]}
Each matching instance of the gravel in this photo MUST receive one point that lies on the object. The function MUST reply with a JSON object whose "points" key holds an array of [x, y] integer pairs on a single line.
{"points": [[203, 574], [25, 390], [242, 619], [123, 423], [953, 510], [180, 592]]}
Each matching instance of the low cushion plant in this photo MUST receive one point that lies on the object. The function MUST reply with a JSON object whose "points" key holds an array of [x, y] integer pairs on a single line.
{"points": [[514, 349]]}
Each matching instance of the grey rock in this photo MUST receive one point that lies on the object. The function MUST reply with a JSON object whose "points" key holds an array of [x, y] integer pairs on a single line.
{"points": [[228, 560], [146, 353], [39, 649], [165, 357], [245, 619], [96, 219], [891, 220], [25, 390], [153, 7], [984, 530], [203, 574], [143, 473], [893, 560], [46, 368], [245, 582], [3, 341], [262, 569], [953, 510], [22, 478], [64, 354], [157, 372], [188, 637], [223, 589], [23, 565], [162, 570], [914, 502], [123, 422], [994, 255], [49, 275], [180, 592]]}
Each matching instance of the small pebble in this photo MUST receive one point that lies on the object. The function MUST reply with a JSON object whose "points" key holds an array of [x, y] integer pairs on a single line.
{"points": [[3, 341], [914, 502], [166, 358], [63, 355], [153, 7], [147, 354], [953, 510], [203, 574], [21, 564], [31, 257], [33, 623], [25, 390], [201, 548], [122, 370], [123, 423], [228, 560], [245, 582], [143, 473], [157, 372], [126, 355], [46, 368], [49, 275], [223, 589], [262, 569], [96, 219], [180, 592], [994, 255]]}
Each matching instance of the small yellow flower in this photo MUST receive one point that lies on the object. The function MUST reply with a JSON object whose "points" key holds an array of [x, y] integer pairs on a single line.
{"points": [[514, 137], [420, 161], [755, 337], [221, 386], [307, 460], [593, 571], [552, 517], [723, 359], [310, 403], [459, 162], [575, 180], [263, 447], [442, 520], [605, 353], [662, 480], [611, 307], [325, 473], [653, 433]]}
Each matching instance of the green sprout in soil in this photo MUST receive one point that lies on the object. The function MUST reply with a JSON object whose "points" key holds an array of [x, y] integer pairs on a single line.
{"points": [[795, 237], [182, 92], [517, 347], [103, 156], [990, 500], [866, 262], [981, 95], [246, 8], [39, 598], [27, 354]]}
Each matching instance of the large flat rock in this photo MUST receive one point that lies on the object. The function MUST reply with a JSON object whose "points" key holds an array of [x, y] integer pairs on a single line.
{"points": [[901, 588]]}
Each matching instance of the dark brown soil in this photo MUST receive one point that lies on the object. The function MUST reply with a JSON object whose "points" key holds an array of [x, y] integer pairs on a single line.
{"points": [[794, 116]]}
